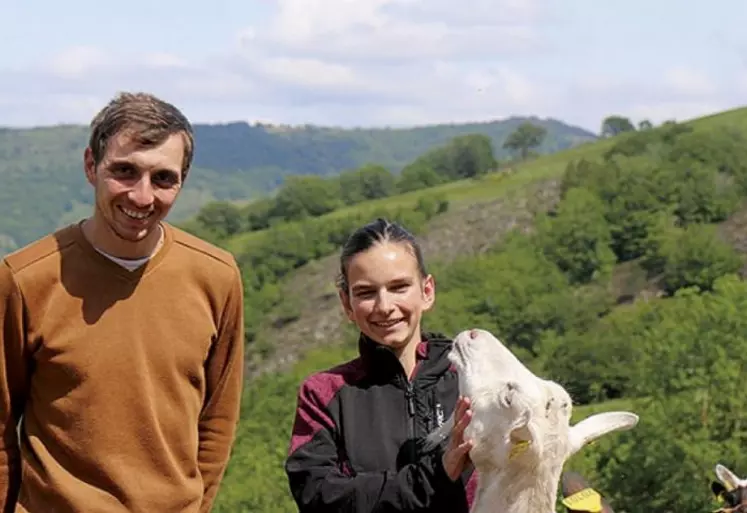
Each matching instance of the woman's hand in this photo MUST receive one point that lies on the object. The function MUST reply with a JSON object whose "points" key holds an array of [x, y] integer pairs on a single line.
{"points": [[456, 457]]}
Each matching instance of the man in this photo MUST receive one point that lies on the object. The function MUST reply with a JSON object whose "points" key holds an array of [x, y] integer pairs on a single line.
{"points": [[122, 339]]}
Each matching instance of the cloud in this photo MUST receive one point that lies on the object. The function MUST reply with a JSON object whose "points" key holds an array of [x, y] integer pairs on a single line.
{"points": [[676, 93], [77, 61], [347, 62], [689, 82], [397, 30], [376, 62]]}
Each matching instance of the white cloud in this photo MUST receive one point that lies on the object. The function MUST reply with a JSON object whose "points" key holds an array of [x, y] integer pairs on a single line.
{"points": [[77, 61], [365, 62], [396, 30], [397, 61], [689, 82], [312, 72]]}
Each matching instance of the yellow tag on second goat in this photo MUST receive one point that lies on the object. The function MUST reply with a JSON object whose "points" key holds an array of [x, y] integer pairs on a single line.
{"points": [[585, 500]]}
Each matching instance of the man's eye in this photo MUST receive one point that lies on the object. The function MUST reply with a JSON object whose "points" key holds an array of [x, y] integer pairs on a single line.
{"points": [[122, 171], [166, 179]]}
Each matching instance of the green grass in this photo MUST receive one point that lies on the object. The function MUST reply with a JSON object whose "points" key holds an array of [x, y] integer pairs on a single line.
{"points": [[736, 118]]}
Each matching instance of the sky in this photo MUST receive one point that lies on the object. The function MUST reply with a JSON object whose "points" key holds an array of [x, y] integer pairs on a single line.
{"points": [[375, 62]]}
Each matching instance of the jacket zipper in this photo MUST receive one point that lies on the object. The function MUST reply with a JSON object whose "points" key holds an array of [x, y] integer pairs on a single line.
{"points": [[410, 396]]}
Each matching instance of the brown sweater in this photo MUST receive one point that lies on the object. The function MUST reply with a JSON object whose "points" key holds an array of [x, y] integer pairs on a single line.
{"points": [[129, 383]]}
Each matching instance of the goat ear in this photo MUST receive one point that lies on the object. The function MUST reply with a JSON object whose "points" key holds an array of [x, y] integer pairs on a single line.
{"points": [[599, 424], [727, 477], [718, 489]]}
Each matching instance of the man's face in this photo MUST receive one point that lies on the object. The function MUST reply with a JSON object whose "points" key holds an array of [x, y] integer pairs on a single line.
{"points": [[135, 188]]}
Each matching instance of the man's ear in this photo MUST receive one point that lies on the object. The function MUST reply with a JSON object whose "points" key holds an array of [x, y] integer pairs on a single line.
{"points": [[89, 165], [345, 303]]}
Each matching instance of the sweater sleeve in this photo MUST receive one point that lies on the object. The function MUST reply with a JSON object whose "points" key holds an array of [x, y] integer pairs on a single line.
{"points": [[320, 483], [13, 386], [224, 380]]}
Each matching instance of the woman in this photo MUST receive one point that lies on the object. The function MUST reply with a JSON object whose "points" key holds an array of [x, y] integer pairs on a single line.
{"points": [[359, 426]]}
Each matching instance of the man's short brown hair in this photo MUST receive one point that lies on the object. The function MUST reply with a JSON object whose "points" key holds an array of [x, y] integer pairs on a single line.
{"points": [[150, 119]]}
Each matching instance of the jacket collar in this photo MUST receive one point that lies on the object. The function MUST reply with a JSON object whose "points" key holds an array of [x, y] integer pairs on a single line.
{"points": [[382, 364]]}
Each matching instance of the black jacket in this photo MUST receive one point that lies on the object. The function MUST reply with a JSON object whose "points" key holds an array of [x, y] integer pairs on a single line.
{"points": [[356, 439]]}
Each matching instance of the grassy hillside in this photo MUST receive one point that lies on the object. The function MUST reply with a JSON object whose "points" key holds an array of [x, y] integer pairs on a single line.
{"points": [[480, 212], [618, 275], [44, 186]]}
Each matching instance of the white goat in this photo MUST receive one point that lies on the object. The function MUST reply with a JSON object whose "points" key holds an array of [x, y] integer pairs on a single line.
{"points": [[730, 489], [520, 427]]}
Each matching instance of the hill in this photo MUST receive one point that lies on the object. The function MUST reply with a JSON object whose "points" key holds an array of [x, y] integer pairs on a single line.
{"points": [[480, 212], [44, 186], [615, 268]]}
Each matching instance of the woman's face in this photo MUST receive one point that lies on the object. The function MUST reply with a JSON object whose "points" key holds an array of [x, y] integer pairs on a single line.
{"points": [[386, 294]]}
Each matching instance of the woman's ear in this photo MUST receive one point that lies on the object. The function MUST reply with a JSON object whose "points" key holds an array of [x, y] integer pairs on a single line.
{"points": [[345, 303], [429, 291]]}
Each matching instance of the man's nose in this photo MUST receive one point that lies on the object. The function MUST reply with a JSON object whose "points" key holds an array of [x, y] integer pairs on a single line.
{"points": [[141, 193]]}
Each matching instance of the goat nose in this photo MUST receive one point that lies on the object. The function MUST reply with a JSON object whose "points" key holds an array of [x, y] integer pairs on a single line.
{"points": [[472, 333]]}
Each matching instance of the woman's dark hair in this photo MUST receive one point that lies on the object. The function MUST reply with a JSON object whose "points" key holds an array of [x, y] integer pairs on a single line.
{"points": [[377, 231]]}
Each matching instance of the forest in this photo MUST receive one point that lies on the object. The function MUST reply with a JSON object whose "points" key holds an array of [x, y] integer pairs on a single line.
{"points": [[615, 268]]}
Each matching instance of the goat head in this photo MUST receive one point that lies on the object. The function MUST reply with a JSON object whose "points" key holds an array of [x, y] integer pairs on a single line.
{"points": [[730, 489], [517, 415]]}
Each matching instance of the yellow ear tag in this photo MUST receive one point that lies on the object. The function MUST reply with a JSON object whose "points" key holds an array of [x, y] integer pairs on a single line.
{"points": [[587, 499], [518, 448]]}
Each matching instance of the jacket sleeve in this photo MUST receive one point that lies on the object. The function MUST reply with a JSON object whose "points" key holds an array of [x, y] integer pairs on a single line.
{"points": [[224, 379], [13, 386], [320, 482]]}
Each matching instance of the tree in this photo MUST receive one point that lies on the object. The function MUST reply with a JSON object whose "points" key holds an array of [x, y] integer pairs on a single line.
{"points": [[614, 125], [578, 239], [306, 195], [257, 213], [418, 175], [526, 137], [645, 125], [369, 182], [471, 155], [697, 257], [221, 217]]}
